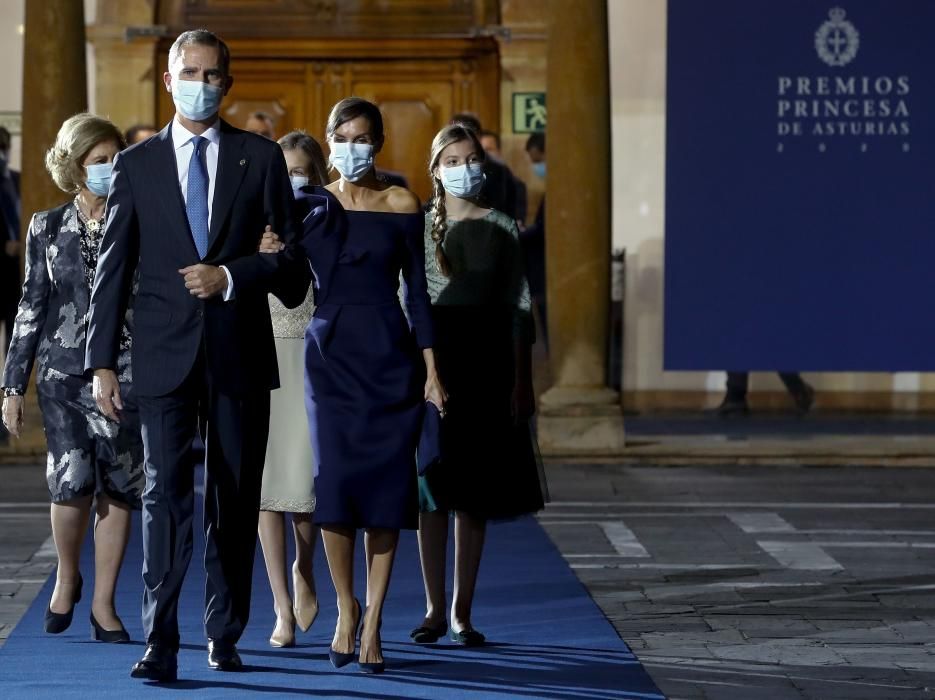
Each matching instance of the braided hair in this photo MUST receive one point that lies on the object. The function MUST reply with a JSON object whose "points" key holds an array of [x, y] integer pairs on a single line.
{"points": [[453, 133]]}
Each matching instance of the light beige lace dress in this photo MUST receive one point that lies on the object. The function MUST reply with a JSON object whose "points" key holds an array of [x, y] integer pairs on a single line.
{"points": [[288, 481]]}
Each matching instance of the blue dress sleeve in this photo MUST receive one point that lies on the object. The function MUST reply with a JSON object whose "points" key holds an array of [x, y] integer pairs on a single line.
{"points": [[323, 235], [415, 288]]}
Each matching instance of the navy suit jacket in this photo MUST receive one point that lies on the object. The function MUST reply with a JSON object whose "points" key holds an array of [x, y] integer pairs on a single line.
{"points": [[147, 232]]}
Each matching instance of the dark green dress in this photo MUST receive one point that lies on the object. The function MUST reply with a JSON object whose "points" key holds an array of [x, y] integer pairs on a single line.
{"points": [[489, 466]]}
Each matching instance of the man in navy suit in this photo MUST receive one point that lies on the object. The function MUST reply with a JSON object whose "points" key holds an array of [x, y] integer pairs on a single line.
{"points": [[185, 214]]}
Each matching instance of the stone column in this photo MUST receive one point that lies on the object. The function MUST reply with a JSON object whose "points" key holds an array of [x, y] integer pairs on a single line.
{"points": [[579, 414], [54, 88]]}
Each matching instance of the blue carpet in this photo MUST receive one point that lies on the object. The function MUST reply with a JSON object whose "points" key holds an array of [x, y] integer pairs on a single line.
{"points": [[549, 639]]}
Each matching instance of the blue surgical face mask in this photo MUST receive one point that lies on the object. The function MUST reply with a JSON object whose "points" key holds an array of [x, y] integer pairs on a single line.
{"points": [[352, 160], [463, 181], [298, 181], [195, 99], [539, 169], [99, 178]]}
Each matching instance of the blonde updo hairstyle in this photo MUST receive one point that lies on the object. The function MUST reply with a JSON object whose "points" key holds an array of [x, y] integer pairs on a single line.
{"points": [[453, 133], [78, 135]]}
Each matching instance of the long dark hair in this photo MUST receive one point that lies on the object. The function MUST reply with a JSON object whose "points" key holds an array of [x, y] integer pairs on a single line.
{"points": [[352, 107], [453, 133]]}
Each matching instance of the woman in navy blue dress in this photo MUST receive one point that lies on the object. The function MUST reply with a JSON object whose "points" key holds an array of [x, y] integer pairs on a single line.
{"points": [[368, 372]]}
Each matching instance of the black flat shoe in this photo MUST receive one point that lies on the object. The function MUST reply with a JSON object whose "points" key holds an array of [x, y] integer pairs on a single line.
{"points": [[467, 637], [159, 664], [427, 635], [99, 634], [56, 623], [340, 659], [223, 656]]}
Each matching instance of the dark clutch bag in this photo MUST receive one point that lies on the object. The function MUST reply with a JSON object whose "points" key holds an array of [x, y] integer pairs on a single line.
{"points": [[430, 441]]}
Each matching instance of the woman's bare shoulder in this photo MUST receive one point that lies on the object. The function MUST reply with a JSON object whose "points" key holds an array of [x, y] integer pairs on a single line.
{"points": [[402, 201]]}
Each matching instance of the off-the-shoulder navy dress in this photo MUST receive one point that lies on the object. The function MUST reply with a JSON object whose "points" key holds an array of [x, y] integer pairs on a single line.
{"points": [[364, 374]]}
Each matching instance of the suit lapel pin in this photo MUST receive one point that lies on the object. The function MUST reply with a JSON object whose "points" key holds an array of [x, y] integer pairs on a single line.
{"points": [[243, 162]]}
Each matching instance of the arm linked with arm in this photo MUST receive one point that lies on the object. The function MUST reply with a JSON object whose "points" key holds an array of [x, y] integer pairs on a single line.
{"points": [[286, 273]]}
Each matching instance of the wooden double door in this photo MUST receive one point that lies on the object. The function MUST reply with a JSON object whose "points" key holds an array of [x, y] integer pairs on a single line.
{"points": [[418, 84]]}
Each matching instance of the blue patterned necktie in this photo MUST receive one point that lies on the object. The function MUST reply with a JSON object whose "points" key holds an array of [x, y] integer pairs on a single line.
{"points": [[196, 204]]}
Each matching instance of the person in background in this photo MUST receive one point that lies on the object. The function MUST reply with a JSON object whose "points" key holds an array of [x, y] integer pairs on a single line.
{"points": [[735, 401], [9, 252], [532, 238], [139, 132], [483, 336], [499, 190], [368, 371], [392, 177], [288, 477], [94, 464], [10, 235], [490, 140], [261, 123]]}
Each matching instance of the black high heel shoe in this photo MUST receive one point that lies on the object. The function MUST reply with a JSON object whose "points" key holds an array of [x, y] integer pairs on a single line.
{"points": [[99, 634], [339, 659], [56, 623]]}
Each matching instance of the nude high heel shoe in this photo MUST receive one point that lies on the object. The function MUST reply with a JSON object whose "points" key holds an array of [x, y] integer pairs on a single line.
{"points": [[283, 633], [304, 615]]}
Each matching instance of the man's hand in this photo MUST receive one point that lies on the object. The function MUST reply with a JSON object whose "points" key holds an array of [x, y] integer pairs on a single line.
{"points": [[12, 248], [107, 393], [204, 281], [270, 243], [13, 414]]}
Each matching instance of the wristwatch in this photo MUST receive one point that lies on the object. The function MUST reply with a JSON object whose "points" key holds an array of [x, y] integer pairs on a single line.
{"points": [[12, 391]]}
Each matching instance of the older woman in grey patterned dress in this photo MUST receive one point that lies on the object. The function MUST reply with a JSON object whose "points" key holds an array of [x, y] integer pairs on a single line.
{"points": [[91, 460], [288, 482]]}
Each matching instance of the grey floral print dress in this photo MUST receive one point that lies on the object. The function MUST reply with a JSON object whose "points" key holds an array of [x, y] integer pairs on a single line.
{"points": [[88, 454]]}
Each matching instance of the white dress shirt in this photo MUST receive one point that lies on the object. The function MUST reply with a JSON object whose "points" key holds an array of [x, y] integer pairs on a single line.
{"points": [[182, 140]]}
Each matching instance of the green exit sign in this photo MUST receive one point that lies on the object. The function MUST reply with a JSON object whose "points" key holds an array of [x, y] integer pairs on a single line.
{"points": [[529, 114]]}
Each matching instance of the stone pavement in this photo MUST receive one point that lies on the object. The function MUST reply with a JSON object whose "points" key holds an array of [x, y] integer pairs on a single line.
{"points": [[747, 582], [727, 582], [27, 556]]}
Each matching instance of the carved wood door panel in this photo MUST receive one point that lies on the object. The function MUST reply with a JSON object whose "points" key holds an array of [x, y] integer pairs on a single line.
{"points": [[417, 95]]}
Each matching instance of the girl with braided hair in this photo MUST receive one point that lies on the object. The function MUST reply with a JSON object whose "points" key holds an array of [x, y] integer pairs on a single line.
{"points": [[483, 333]]}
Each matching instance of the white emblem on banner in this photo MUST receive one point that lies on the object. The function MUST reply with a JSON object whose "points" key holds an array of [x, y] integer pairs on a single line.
{"points": [[837, 40]]}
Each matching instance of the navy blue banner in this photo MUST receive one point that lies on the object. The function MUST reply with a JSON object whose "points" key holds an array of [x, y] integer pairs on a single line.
{"points": [[800, 206]]}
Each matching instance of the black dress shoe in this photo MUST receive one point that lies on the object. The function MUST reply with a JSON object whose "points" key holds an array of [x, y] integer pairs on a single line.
{"points": [[159, 663], [223, 656], [120, 636], [56, 623]]}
